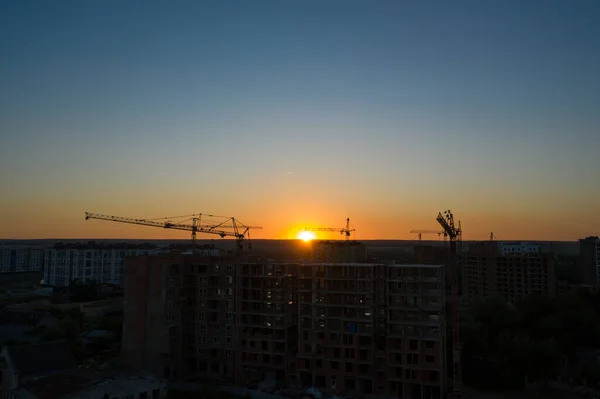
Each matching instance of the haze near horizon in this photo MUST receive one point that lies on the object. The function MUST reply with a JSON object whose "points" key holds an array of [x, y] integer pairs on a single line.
{"points": [[293, 114]]}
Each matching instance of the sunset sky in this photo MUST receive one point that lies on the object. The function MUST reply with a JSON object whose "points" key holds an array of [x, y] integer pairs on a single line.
{"points": [[287, 114]]}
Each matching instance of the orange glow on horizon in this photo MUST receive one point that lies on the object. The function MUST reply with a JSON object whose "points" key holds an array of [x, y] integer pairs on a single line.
{"points": [[306, 236]]}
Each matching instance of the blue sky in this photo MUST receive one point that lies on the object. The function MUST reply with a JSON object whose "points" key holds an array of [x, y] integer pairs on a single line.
{"points": [[386, 110]]}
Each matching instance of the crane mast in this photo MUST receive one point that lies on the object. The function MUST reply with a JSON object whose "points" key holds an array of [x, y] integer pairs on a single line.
{"points": [[455, 234], [239, 230]]}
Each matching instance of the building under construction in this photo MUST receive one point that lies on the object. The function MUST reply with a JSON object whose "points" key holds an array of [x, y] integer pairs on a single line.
{"points": [[511, 270], [372, 328]]}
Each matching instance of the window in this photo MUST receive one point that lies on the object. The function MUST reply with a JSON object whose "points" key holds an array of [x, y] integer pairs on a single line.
{"points": [[202, 327], [202, 339], [218, 291], [229, 316], [201, 316], [217, 328], [229, 280], [429, 359], [228, 352], [216, 339], [202, 280], [230, 268], [228, 291], [168, 305], [229, 328], [201, 351], [228, 340], [202, 292], [202, 303], [217, 268]]}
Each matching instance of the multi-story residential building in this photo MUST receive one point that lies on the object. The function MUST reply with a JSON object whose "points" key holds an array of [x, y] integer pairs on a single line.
{"points": [[349, 327], [89, 261], [20, 258], [266, 319], [189, 315], [372, 328], [589, 260], [510, 270]]}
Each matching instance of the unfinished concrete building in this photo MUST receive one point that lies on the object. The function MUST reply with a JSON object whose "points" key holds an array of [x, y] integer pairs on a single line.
{"points": [[187, 316], [179, 315], [349, 327], [267, 321], [511, 270], [372, 328], [416, 331]]}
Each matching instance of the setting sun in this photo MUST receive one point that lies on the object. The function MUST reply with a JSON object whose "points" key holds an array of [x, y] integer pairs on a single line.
{"points": [[306, 236]]}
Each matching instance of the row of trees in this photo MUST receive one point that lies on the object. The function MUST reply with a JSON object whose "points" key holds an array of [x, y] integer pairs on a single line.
{"points": [[507, 345]]}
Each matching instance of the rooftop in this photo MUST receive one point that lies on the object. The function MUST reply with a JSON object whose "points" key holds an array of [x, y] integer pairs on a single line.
{"points": [[21, 317], [68, 383], [42, 358]]}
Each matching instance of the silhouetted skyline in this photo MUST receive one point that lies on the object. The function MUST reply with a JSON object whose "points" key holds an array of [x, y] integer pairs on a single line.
{"points": [[292, 114]]}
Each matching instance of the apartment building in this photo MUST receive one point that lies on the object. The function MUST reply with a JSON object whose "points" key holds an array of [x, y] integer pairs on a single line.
{"points": [[20, 258], [267, 320], [89, 261], [511, 270], [350, 327], [589, 260], [187, 315], [179, 315], [372, 328]]}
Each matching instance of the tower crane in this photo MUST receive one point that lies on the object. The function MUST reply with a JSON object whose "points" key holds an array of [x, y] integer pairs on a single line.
{"points": [[230, 227], [343, 230], [421, 232], [454, 232]]}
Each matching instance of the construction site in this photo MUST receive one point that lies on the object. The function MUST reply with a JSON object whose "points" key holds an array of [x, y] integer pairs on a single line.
{"points": [[336, 324]]}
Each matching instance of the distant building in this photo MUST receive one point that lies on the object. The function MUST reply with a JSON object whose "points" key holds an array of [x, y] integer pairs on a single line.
{"points": [[91, 384], [20, 364], [89, 261], [17, 325], [589, 260], [510, 270], [339, 251], [20, 258]]}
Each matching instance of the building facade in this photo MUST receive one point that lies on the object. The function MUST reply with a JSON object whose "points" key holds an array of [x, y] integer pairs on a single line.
{"points": [[372, 328], [509, 270], [91, 261], [19, 259], [179, 315], [589, 260], [351, 327]]}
